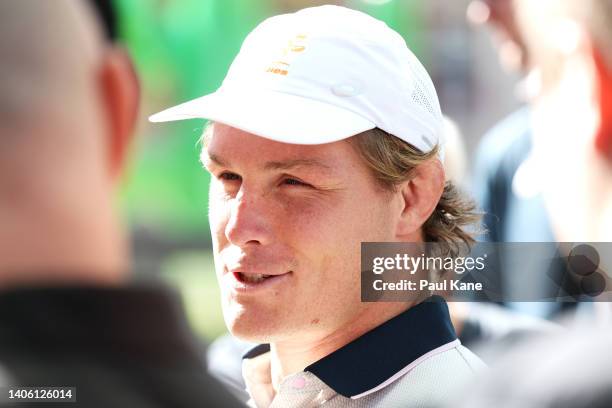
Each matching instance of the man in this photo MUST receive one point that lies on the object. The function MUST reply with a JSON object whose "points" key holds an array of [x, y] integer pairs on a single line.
{"points": [[512, 212], [572, 116], [503, 178], [68, 104], [325, 134], [513, 183], [572, 162]]}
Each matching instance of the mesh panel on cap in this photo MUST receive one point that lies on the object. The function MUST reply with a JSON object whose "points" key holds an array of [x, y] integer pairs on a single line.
{"points": [[424, 93]]}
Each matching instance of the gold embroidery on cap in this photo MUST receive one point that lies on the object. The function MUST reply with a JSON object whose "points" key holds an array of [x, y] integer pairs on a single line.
{"points": [[294, 47]]}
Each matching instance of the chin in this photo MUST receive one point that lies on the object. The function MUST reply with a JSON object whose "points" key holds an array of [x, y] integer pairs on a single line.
{"points": [[255, 326]]}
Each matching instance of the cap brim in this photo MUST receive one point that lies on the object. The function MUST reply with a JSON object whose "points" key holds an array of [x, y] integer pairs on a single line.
{"points": [[274, 115]]}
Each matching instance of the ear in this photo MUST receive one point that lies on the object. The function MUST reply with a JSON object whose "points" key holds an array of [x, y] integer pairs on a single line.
{"points": [[121, 97], [603, 74], [420, 196]]}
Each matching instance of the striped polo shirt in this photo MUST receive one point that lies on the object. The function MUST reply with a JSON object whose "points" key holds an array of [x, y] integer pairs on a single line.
{"points": [[413, 360]]}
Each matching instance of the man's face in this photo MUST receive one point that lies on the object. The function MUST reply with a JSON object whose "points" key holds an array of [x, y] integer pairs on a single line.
{"points": [[296, 214]]}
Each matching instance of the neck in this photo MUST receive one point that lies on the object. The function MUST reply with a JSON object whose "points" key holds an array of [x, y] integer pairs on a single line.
{"points": [[295, 354], [39, 248]]}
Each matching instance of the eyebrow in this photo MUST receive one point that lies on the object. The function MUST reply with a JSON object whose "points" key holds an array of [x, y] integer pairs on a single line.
{"points": [[275, 165], [213, 158], [289, 164]]}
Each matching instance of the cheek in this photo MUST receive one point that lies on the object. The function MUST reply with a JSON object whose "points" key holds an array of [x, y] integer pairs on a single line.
{"points": [[217, 219], [218, 212], [364, 219], [331, 234], [309, 220]]}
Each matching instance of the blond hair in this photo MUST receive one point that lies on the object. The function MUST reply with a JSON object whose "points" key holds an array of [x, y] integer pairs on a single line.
{"points": [[392, 161]]}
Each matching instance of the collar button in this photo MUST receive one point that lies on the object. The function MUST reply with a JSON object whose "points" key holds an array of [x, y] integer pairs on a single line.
{"points": [[298, 383]]}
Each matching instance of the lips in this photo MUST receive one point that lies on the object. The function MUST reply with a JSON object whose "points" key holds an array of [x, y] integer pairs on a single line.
{"points": [[251, 277], [247, 283], [255, 272]]}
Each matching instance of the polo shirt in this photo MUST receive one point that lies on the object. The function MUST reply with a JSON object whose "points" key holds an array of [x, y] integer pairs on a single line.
{"points": [[412, 360]]}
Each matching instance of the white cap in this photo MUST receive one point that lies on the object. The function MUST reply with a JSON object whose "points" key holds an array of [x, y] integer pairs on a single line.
{"points": [[320, 75]]}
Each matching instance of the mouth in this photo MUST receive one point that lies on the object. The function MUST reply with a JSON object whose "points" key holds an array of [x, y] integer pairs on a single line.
{"points": [[250, 282], [255, 278], [251, 277]]}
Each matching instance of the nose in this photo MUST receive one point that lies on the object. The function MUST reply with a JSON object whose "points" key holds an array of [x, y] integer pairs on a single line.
{"points": [[250, 220]]}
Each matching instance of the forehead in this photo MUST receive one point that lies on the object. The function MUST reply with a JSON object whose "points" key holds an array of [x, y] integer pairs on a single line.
{"points": [[229, 146]]}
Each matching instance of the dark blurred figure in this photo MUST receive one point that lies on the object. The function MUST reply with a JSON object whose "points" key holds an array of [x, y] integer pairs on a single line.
{"points": [[68, 104]]}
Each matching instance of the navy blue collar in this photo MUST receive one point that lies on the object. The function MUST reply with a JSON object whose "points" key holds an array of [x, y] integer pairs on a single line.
{"points": [[376, 356]]}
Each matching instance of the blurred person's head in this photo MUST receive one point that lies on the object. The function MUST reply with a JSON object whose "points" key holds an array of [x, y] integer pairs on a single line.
{"points": [[570, 41], [572, 117], [68, 102], [508, 39], [303, 172]]}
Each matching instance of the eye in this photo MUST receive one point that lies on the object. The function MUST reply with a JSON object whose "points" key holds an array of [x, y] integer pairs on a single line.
{"points": [[227, 176], [295, 182]]}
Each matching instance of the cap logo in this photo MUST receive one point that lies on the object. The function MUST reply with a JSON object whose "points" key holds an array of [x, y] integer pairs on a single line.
{"points": [[294, 47]]}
